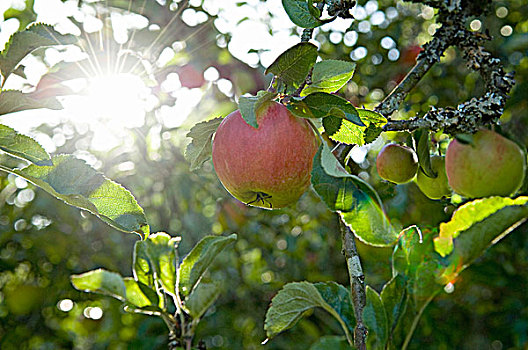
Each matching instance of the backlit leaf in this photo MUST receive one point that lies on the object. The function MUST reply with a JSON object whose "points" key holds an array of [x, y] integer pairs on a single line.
{"points": [[476, 226], [344, 131], [329, 76], [78, 184], [322, 104], [160, 249], [139, 294], [22, 146], [355, 200], [102, 282], [499, 213]]}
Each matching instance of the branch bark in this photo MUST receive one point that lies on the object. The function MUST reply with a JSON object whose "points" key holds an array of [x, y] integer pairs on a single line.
{"points": [[357, 284]]}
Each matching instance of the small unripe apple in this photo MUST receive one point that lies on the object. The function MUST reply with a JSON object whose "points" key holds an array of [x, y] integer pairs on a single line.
{"points": [[267, 167], [434, 187], [397, 163], [491, 165]]}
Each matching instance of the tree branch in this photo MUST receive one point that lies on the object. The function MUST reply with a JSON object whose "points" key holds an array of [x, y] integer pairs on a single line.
{"points": [[357, 284]]}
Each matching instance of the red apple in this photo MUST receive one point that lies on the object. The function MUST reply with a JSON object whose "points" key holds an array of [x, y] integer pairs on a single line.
{"points": [[491, 165], [268, 167], [190, 77], [396, 163]]}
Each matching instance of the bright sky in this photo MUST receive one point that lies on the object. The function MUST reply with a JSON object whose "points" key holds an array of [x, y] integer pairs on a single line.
{"points": [[108, 110]]}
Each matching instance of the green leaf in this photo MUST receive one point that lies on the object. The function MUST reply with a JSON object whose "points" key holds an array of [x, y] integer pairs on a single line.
{"points": [[198, 260], [476, 226], [497, 213], [102, 282], [293, 301], [370, 117], [421, 139], [142, 268], [322, 104], [22, 146], [338, 297], [139, 294], [371, 133], [201, 299], [394, 297], [300, 14], [375, 319], [344, 131], [78, 184], [331, 342], [249, 105], [25, 16], [14, 101], [415, 259], [161, 252], [411, 239], [294, 64], [329, 76], [357, 202], [24, 42], [199, 150]]}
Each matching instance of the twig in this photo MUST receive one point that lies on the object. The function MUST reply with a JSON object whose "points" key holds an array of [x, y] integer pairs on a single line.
{"points": [[357, 284]]}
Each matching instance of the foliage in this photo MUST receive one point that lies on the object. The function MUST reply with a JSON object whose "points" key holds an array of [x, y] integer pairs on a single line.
{"points": [[44, 241]]}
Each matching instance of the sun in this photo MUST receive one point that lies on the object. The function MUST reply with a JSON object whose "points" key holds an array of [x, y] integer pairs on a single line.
{"points": [[110, 105]]}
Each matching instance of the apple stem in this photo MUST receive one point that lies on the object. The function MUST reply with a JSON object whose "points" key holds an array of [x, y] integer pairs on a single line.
{"points": [[357, 284]]}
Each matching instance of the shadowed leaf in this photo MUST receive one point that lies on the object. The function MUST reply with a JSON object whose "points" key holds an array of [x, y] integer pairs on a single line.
{"points": [[201, 298], [295, 299], [199, 150], [293, 65], [24, 42], [249, 106], [300, 14], [198, 260], [15, 101], [375, 319]]}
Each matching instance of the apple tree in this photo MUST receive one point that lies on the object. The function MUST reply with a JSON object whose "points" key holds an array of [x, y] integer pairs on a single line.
{"points": [[300, 134]]}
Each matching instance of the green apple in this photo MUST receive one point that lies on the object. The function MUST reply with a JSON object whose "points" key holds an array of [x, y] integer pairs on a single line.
{"points": [[397, 163], [434, 187], [491, 165], [267, 167]]}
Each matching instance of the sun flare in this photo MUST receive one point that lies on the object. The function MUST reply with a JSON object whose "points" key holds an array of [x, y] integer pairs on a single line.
{"points": [[109, 104]]}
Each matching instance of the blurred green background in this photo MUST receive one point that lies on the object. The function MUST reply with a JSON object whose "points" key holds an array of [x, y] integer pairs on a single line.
{"points": [[43, 241]]}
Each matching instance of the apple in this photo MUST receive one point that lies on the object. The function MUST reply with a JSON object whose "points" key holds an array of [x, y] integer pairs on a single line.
{"points": [[190, 77], [491, 165], [434, 187], [268, 166], [397, 163]]}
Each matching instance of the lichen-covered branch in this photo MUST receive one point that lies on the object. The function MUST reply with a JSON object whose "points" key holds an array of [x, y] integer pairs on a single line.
{"points": [[357, 284], [467, 116]]}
